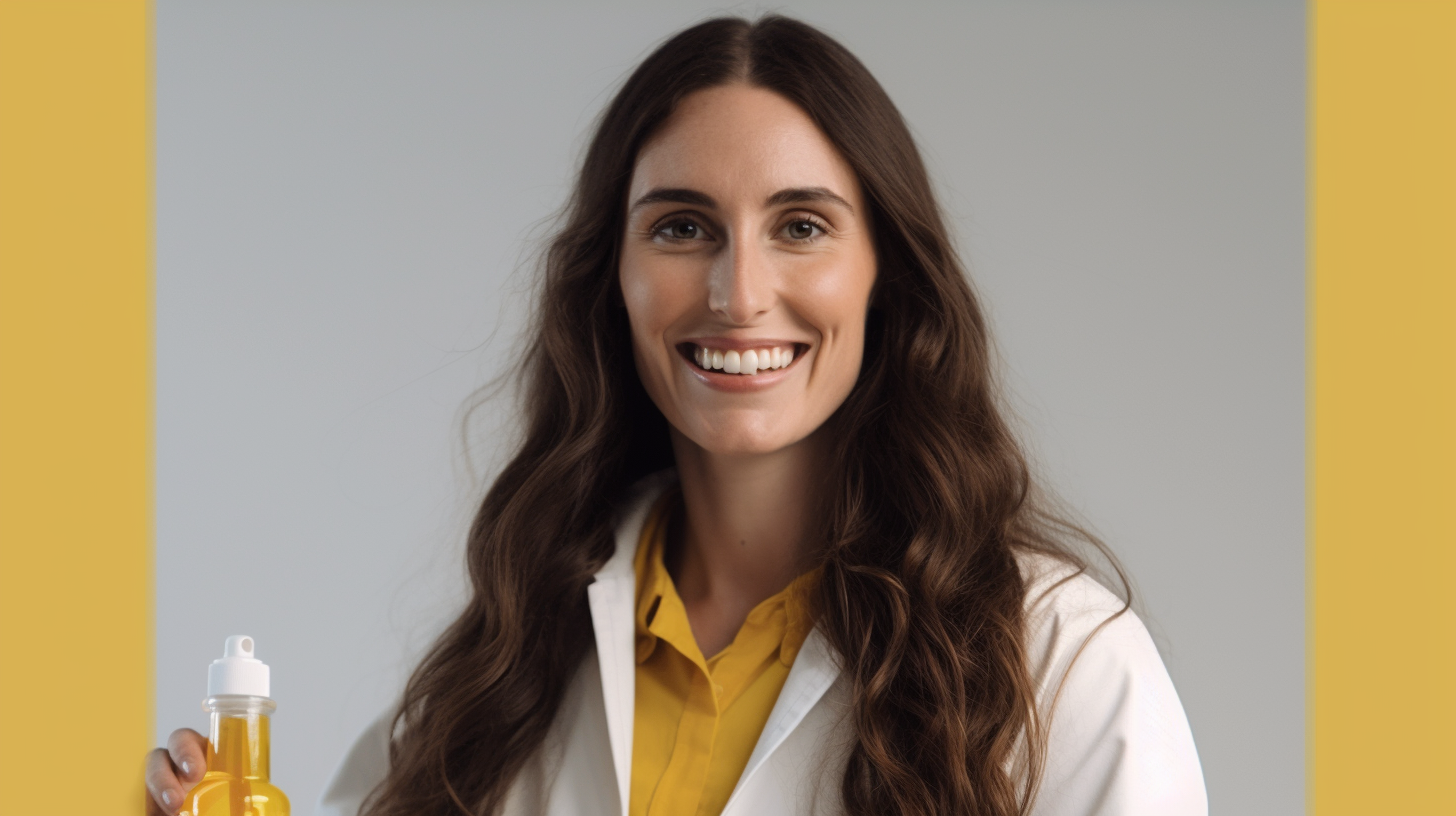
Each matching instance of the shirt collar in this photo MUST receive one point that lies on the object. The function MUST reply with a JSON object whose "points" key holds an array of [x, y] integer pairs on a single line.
{"points": [[800, 615], [653, 582]]}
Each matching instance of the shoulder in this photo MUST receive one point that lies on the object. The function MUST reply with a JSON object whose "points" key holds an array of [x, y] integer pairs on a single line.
{"points": [[1065, 607], [1118, 741], [363, 767]]}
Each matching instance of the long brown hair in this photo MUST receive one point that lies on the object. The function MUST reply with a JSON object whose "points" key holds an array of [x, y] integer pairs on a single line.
{"points": [[921, 595]]}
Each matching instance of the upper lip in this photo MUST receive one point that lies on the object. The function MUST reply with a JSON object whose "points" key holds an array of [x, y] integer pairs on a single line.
{"points": [[740, 345]]}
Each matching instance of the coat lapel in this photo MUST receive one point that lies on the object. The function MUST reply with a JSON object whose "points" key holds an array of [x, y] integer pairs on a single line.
{"points": [[612, 598], [813, 672]]}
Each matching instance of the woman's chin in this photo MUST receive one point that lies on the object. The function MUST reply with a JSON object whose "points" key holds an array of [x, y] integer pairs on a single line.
{"points": [[727, 440]]}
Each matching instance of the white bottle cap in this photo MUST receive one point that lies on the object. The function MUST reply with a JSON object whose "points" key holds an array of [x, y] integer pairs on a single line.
{"points": [[237, 671]]}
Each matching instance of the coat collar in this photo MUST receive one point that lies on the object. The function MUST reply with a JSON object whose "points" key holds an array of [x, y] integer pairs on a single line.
{"points": [[612, 598]]}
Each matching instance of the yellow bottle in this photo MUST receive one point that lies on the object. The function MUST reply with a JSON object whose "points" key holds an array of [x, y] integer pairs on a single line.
{"points": [[236, 782]]}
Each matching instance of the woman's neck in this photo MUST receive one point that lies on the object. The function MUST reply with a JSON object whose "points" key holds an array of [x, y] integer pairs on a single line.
{"points": [[745, 534]]}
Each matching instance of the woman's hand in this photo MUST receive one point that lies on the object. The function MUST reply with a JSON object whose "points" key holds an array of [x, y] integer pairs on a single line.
{"points": [[172, 771]]}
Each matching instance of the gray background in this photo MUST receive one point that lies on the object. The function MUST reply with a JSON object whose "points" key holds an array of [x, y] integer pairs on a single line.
{"points": [[347, 200]]}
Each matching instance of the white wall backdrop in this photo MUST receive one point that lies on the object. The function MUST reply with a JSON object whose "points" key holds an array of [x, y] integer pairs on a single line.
{"points": [[347, 195]]}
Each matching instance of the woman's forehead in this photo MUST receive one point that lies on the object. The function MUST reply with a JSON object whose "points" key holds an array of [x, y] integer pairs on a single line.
{"points": [[739, 140]]}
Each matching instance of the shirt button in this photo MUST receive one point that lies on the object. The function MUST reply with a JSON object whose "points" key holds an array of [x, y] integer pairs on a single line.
{"points": [[717, 690]]}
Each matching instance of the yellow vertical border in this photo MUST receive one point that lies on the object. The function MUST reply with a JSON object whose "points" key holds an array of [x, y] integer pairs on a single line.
{"points": [[75, 405], [1382, 694]]}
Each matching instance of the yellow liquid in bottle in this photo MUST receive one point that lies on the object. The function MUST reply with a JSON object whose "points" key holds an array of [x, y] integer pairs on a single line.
{"points": [[236, 782]]}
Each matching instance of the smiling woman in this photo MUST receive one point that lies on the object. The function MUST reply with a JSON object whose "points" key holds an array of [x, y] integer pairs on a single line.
{"points": [[746, 241], [767, 545]]}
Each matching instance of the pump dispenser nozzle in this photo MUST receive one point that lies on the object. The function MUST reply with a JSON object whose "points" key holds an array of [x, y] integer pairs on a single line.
{"points": [[236, 782], [237, 671]]}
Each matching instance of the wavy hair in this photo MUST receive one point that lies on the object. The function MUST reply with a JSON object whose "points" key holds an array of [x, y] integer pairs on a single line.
{"points": [[930, 498]]}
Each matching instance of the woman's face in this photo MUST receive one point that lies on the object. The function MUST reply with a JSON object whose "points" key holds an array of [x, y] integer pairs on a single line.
{"points": [[746, 268]]}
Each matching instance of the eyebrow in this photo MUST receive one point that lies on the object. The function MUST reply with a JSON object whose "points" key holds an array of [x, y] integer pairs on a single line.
{"points": [[792, 195], [676, 195], [806, 195]]}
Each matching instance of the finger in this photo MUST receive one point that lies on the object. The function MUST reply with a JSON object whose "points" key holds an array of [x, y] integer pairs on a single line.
{"points": [[188, 752], [166, 792], [155, 808]]}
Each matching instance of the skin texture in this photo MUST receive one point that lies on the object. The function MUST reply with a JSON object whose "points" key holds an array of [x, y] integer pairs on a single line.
{"points": [[751, 267], [743, 259]]}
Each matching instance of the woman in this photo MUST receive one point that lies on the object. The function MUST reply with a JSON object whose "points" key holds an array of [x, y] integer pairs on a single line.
{"points": [[768, 545]]}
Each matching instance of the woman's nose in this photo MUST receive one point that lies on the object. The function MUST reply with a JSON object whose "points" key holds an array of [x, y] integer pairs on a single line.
{"points": [[740, 286]]}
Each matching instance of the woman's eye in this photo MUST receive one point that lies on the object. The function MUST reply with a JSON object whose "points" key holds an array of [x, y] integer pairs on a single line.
{"points": [[680, 231], [801, 229]]}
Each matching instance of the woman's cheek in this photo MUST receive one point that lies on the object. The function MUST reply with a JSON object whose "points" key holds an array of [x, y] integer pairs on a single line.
{"points": [[835, 301]]}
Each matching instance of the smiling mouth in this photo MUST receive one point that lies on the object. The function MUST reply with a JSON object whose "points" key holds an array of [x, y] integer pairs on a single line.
{"points": [[746, 363]]}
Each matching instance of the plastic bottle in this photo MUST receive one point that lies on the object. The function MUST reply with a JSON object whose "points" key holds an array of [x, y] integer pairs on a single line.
{"points": [[236, 782]]}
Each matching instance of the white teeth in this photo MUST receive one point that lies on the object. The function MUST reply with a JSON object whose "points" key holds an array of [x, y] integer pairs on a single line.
{"points": [[748, 362]]}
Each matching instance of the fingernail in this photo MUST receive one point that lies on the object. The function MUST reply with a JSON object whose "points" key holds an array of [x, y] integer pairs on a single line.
{"points": [[167, 798], [186, 768]]}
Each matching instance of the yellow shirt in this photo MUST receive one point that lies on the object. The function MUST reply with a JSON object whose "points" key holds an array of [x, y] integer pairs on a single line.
{"points": [[696, 720]]}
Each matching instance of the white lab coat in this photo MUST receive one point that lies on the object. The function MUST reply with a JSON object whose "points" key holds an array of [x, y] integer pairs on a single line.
{"points": [[1119, 743]]}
